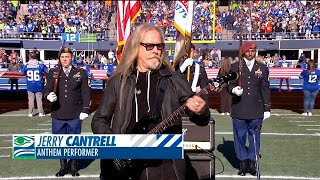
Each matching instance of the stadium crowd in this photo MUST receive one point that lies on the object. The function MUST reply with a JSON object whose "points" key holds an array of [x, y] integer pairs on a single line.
{"points": [[162, 14], [48, 19], [272, 19], [255, 19]]}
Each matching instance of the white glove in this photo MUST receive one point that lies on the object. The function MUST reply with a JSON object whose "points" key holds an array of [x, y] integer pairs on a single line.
{"points": [[186, 63], [83, 116], [237, 90], [52, 97], [266, 115], [196, 89]]}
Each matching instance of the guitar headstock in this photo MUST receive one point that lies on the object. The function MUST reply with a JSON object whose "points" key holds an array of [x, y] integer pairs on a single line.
{"points": [[216, 84]]}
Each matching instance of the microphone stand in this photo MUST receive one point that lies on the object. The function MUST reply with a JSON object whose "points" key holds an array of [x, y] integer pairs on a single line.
{"points": [[256, 154]]}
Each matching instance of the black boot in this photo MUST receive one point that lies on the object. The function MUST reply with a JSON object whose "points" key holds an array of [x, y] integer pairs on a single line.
{"points": [[73, 170], [243, 168], [252, 168], [63, 168]]}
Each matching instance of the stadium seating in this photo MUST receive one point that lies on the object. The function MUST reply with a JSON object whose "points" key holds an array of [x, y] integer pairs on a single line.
{"points": [[262, 20]]}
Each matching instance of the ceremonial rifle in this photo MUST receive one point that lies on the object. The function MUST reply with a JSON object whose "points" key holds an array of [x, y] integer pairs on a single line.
{"points": [[239, 80]]}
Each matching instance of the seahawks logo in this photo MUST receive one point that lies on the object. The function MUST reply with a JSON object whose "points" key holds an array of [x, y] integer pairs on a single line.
{"points": [[23, 141], [23, 147]]}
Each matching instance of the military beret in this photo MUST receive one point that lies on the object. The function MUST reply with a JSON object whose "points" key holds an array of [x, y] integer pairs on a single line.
{"points": [[248, 45]]}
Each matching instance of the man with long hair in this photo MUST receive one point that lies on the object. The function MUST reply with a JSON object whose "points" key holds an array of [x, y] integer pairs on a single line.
{"points": [[70, 98], [144, 85]]}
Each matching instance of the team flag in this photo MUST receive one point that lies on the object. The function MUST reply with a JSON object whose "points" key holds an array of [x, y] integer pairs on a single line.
{"points": [[183, 22], [127, 12]]}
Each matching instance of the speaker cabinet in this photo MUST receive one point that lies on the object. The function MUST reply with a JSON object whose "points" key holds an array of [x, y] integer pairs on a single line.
{"points": [[197, 137], [203, 165]]}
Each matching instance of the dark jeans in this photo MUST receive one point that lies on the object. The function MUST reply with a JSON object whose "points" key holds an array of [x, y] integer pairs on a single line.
{"points": [[309, 98]]}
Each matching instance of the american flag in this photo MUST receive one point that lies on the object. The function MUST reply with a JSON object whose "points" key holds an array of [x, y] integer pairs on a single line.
{"points": [[127, 11]]}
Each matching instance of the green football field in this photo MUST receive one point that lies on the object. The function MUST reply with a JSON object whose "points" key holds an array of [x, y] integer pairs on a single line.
{"points": [[290, 147]]}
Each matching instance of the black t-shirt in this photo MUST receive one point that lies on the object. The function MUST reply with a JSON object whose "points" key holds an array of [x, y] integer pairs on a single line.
{"points": [[142, 102]]}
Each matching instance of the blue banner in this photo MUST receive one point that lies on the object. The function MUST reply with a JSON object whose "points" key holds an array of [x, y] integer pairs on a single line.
{"points": [[120, 146], [70, 37]]}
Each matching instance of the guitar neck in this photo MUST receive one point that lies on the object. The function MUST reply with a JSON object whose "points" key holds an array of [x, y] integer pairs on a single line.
{"points": [[213, 85], [170, 120]]}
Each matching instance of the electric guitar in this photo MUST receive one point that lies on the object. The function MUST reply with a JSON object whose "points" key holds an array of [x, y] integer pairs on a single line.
{"points": [[132, 168]]}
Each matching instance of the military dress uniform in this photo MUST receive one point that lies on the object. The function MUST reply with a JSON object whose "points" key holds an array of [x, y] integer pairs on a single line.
{"points": [[203, 77], [73, 98], [247, 110], [202, 80]]}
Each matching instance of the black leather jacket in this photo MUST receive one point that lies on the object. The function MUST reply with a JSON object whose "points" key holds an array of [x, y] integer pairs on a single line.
{"points": [[109, 118]]}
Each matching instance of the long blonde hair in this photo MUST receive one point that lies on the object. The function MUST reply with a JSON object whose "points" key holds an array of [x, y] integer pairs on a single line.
{"points": [[129, 56], [225, 66]]}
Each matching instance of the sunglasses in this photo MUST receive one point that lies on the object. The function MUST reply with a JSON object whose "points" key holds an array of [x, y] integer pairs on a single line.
{"points": [[150, 46]]}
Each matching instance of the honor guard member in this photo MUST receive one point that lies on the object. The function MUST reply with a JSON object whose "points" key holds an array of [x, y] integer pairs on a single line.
{"points": [[197, 78], [68, 90], [250, 106]]}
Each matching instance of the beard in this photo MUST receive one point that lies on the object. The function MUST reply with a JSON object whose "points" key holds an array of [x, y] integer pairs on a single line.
{"points": [[153, 63]]}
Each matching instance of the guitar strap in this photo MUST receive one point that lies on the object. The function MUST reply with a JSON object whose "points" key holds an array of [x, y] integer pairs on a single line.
{"points": [[161, 90]]}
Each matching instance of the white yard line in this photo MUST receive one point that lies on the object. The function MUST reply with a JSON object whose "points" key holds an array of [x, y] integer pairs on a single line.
{"points": [[47, 177], [294, 115], [13, 115], [19, 115], [217, 176], [313, 129], [266, 177], [4, 156], [5, 147], [274, 134], [44, 124], [302, 121], [297, 117], [308, 125], [39, 129]]}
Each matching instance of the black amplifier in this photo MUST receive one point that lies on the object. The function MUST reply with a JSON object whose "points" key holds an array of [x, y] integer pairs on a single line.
{"points": [[198, 138], [203, 164]]}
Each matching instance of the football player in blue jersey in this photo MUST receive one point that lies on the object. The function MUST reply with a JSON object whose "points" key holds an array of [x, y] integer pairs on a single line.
{"points": [[34, 74], [311, 77]]}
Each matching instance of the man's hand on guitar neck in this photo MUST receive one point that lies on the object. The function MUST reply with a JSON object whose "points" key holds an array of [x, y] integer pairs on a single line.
{"points": [[196, 104]]}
